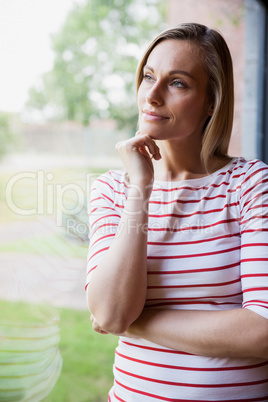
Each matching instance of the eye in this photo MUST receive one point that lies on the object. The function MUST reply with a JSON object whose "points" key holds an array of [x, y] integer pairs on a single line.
{"points": [[147, 78], [178, 84]]}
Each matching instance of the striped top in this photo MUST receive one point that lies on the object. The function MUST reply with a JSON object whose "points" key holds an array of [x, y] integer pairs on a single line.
{"points": [[207, 250]]}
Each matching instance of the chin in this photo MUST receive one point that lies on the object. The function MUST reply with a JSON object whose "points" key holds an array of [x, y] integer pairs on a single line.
{"points": [[153, 132]]}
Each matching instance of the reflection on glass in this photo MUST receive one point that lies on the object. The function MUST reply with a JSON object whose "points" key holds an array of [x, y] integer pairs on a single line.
{"points": [[30, 361]]}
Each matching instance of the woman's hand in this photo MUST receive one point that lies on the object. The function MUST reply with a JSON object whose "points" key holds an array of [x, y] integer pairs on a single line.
{"points": [[136, 154]]}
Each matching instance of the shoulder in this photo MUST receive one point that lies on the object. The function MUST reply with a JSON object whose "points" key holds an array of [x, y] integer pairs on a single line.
{"points": [[241, 169], [252, 180], [252, 170], [250, 164]]}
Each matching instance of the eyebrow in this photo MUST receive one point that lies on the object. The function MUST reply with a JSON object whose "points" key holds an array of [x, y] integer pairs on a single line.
{"points": [[173, 72]]}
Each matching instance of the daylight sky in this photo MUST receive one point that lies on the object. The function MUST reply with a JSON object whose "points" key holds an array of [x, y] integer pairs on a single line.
{"points": [[25, 53]]}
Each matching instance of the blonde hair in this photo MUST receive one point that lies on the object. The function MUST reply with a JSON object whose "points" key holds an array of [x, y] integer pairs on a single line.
{"points": [[219, 69]]}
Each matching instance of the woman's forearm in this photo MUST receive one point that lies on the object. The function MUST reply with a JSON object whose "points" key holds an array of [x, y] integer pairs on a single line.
{"points": [[231, 333], [117, 291]]}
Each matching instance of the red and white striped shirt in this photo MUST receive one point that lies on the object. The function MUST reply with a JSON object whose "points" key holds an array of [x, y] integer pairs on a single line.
{"points": [[207, 250]]}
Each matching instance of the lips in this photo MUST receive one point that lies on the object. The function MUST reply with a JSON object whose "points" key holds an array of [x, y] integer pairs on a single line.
{"points": [[153, 116]]}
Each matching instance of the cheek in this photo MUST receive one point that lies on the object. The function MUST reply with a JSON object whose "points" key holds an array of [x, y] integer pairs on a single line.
{"points": [[191, 107], [140, 98]]}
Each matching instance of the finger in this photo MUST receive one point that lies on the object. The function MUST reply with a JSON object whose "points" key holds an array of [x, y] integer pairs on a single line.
{"points": [[143, 150], [96, 326], [141, 143], [157, 154], [152, 147], [98, 329]]}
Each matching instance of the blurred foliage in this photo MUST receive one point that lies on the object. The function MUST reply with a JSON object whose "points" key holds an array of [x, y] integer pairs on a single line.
{"points": [[96, 55], [7, 136]]}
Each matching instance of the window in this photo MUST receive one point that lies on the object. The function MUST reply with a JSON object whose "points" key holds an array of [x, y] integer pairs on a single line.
{"points": [[255, 119]]}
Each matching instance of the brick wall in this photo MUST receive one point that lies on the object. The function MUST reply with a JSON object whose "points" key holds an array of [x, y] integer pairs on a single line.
{"points": [[228, 18]]}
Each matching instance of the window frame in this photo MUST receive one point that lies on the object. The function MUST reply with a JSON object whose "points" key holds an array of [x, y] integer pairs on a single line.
{"points": [[263, 85]]}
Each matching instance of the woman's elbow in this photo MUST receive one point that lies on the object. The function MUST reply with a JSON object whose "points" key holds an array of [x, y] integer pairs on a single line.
{"points": [[112, 320], [113, 323], [116, 326]]}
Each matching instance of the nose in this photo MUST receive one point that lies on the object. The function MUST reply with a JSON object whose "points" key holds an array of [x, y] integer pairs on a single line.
{"points": [[154, 95]]}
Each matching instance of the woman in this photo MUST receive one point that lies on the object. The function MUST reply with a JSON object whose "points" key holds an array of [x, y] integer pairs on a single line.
{"points": [[178, 241]]}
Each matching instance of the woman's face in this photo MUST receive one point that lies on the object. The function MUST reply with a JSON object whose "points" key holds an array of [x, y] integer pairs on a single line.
{"points": [[172, 97]]}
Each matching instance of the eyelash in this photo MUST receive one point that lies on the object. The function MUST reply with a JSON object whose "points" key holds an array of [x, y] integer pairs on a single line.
{"points": [[180, 82], [148, 78]]}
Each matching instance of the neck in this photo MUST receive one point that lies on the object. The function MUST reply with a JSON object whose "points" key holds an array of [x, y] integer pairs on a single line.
{"points": [[183, 162]]}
